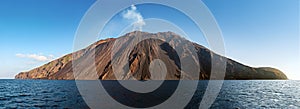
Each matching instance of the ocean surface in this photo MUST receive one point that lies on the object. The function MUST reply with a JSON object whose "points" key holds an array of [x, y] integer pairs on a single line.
{"points": [[234, 94]]}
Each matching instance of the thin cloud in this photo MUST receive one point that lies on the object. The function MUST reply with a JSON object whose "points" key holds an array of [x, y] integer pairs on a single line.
{"points": [[36, 57], [133, 15]]}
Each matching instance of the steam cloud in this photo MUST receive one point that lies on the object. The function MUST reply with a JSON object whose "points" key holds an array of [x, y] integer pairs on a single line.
{"points": [[133, 15]]}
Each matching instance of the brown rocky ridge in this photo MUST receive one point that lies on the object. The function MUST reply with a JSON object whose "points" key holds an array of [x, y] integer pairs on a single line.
{"points": [[107, 56]]}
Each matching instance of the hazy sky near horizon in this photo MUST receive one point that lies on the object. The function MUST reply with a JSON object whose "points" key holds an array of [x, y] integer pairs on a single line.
{"points": [[256, 32]]}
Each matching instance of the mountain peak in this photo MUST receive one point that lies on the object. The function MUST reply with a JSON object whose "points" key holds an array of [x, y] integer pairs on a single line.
{"points": [[156, 46]]}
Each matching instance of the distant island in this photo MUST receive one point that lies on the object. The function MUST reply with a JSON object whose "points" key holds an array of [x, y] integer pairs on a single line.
{"points": [[140, 59]]}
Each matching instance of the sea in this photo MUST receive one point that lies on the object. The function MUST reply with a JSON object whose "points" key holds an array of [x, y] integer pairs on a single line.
{"points": [[234, 94]]}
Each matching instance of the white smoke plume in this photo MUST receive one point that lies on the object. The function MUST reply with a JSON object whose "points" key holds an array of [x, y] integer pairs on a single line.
{"points": [[133, 15]]}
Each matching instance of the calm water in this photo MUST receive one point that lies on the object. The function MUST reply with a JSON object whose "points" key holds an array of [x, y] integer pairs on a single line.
{"points": [[234, 94]]}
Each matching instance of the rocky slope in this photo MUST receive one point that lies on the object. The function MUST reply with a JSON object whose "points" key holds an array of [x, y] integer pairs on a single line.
{"points": [[131, 55]]}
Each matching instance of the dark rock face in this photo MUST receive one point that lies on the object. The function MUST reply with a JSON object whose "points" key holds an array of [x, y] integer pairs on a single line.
{"points": [[168, 47]]}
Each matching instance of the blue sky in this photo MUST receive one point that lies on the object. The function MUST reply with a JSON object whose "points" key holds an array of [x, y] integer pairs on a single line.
{"points": [[256, 32]]}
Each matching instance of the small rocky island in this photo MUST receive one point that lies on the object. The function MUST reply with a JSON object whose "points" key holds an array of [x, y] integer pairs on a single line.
{"points": [[140, 58]]}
